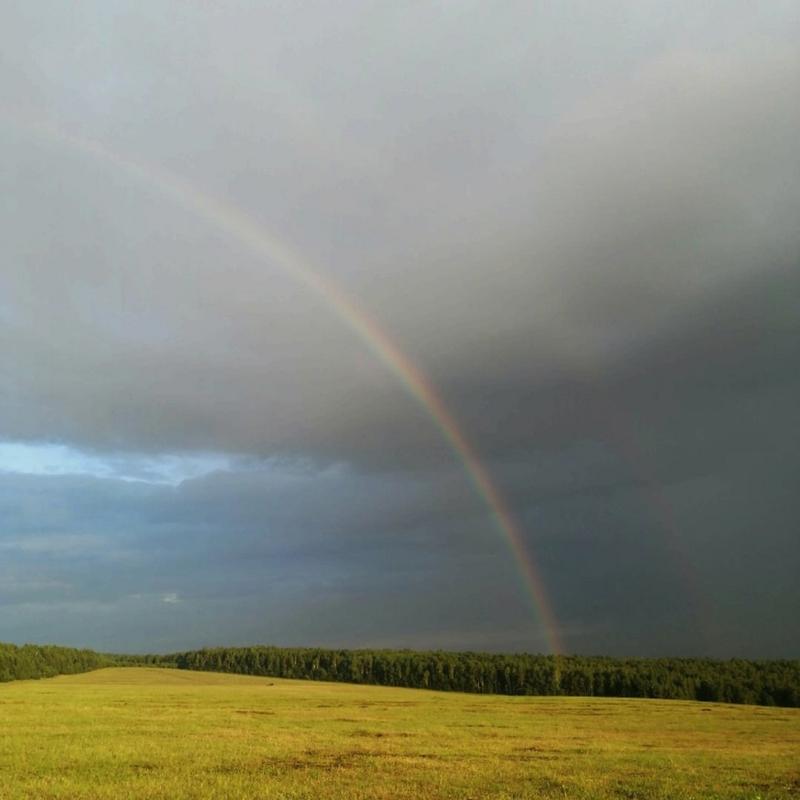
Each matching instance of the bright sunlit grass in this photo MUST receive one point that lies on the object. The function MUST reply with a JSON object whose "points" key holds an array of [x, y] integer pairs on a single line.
{"points": [[153, 733]]}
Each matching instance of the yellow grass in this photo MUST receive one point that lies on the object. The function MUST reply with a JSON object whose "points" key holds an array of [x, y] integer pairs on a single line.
{"points": [[153, 733]]}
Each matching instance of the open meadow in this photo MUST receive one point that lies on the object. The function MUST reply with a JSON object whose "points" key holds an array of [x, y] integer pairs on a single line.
{"points": [[159, 733]]}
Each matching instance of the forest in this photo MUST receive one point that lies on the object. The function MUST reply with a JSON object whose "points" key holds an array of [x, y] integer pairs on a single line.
{"points": [[775, 683], [45, 661], [770, 683]]}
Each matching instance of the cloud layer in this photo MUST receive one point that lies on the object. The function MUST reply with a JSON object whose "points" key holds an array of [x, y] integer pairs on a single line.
{"points": [[581, 226]]}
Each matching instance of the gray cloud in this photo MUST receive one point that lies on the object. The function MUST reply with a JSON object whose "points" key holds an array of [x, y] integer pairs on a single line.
{"points": [[580, 223]]}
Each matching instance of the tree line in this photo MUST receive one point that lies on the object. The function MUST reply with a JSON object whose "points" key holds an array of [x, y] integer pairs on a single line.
{"points": [[45, 661], [734, 681]]}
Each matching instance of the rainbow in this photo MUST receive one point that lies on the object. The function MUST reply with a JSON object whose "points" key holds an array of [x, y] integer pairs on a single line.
{"points": [[247, 232]]}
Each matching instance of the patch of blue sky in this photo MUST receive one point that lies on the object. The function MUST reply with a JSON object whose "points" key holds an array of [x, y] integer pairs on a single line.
{"points": [[48, 458]]}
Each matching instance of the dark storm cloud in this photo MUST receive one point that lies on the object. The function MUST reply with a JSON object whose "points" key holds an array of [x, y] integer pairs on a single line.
{"points": [[581, 223], [275, 551], [132, 324]]}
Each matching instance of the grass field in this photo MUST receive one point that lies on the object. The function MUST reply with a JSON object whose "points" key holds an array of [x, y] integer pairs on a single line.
{"points": [[152, 733]]}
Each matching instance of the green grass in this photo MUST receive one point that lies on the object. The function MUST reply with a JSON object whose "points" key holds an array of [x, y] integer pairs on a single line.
{"points": [[151, 733]]}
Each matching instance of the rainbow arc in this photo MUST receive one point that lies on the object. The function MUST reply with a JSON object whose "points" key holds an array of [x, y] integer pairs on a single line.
{"points": [[252, 235]]}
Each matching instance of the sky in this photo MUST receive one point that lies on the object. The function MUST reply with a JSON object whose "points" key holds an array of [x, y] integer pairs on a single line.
{"points": [[294, 298]]}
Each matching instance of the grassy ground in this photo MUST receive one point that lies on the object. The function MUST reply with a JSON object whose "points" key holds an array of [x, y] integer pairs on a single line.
{"points": [[150, 733]]}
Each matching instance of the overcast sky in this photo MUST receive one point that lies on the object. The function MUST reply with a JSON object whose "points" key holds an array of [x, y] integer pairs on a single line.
{"points": [[578, 220]]}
